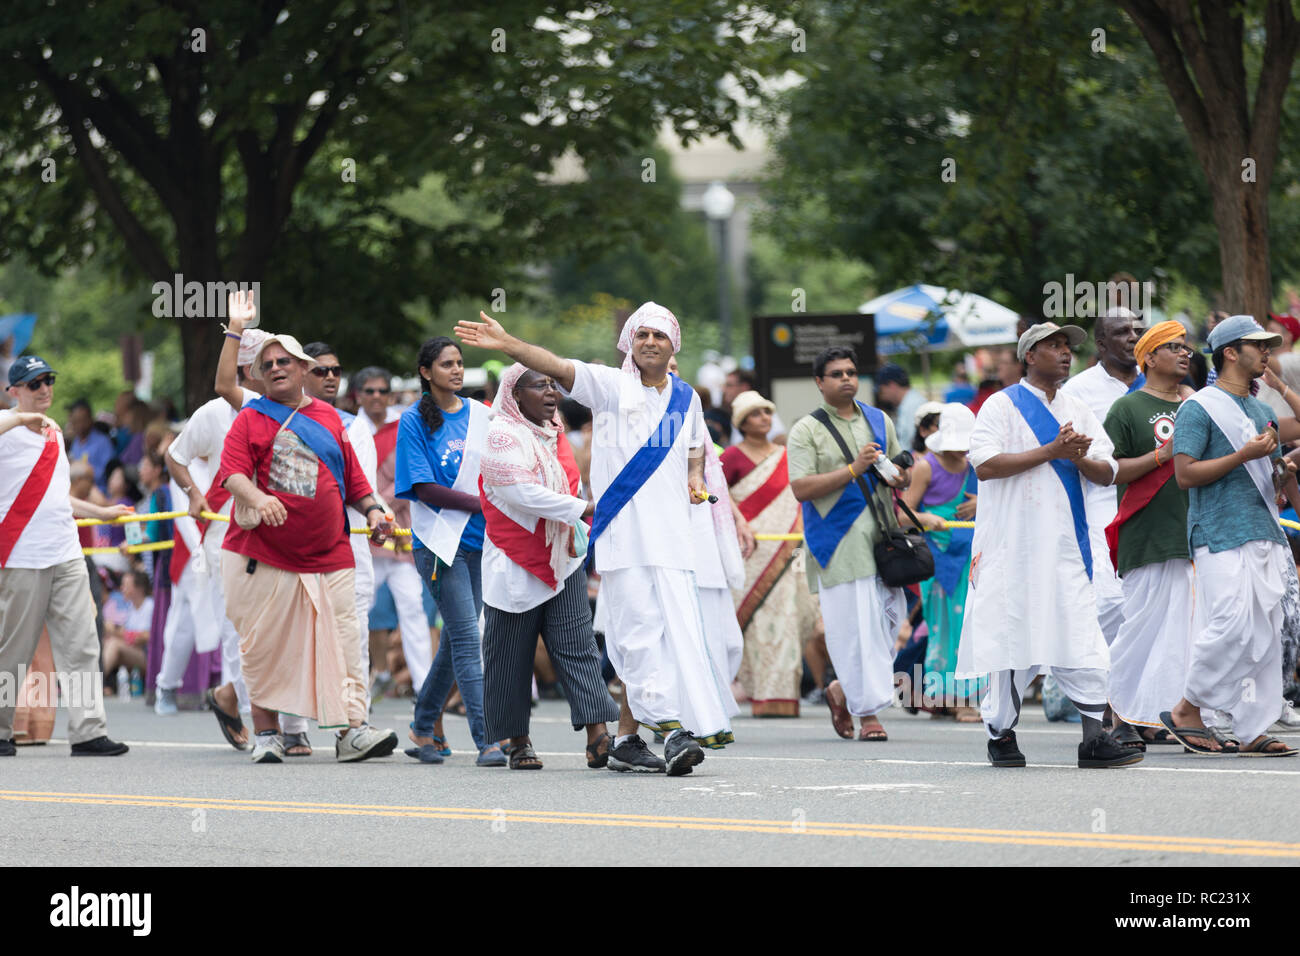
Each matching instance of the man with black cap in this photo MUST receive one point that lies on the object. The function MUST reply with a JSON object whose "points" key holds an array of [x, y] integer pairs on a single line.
{"points": [[895, 396], [43, 579], [1224, 444], [1031, 603]]}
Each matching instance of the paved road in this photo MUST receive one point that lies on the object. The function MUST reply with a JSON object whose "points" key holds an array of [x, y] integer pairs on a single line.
{"points": [[928, 797]]}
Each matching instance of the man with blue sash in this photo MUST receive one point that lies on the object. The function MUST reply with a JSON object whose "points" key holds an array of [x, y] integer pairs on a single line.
{"points": [[1031, 603], [860, 612], [647, 469], [287, 561], [1115, 375]]}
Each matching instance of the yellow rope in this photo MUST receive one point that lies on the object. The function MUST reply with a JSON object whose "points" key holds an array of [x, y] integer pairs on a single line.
{"points": [[209, 515]]}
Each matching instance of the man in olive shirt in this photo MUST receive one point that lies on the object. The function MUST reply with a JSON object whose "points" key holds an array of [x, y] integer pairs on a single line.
{"points": [[860, 612], [1148, 541]]}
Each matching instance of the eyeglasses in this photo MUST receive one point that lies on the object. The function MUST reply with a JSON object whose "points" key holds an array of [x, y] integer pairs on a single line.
{"points": [[550, 385], [843, 373], [376, 391], [37, 383], [327, 371], [284, 361], [1177, 348]]}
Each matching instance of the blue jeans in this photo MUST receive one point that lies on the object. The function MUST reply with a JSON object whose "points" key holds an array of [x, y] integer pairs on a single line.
{"points": [[459, 596]]}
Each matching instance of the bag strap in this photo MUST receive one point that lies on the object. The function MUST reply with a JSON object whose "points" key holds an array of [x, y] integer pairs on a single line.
{"points": [[821, 416]]}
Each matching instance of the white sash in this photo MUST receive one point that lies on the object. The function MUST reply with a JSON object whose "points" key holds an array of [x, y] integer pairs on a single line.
{"points": [[440, 531], [1238, 428]]}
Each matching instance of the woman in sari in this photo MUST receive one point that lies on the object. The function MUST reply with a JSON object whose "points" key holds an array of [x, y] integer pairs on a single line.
{"points": [[944, 489], [775, 609]]}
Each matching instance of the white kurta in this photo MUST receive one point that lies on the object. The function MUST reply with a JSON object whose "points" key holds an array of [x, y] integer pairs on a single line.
{"points": [[1030, 600], [1099, 390], [506, 585]]}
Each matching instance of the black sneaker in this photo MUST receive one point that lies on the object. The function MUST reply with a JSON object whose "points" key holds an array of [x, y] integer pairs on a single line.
{"points": [[633, 755], [1103, 751], [1003, 751], [99, 747], [7, 748], [682, 753]]}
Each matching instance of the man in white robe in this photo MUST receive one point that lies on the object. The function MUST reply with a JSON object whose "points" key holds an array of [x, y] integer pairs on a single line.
{"points": [[1031, 603], [1224, 443], [645, 553], [1115, 375]]}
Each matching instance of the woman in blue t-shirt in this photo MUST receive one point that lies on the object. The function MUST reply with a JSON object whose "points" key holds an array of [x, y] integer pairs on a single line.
{"points": [[437, 440]]}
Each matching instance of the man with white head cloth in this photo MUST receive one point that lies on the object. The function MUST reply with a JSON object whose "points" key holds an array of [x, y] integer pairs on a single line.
{"points": [[647, 469]]}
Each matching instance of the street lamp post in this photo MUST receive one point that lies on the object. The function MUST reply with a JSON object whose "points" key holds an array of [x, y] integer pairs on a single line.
{"points": [[719, 203]]}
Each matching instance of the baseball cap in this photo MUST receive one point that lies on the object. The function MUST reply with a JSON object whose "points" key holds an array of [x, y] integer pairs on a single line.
{"points": [[1036, 333], [26, 368], [1236, 328], [1288, 322], [286, 342]]}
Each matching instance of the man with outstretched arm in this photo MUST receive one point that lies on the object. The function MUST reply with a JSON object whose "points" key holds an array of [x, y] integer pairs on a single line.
{"points": [[647, 469]]}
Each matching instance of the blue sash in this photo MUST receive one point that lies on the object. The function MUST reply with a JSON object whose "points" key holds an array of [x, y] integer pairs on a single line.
{"points": [[347, 418], [823, 535], [951, 557], [1045, 428], [642, 465], [314, 435], [1137, 383]]}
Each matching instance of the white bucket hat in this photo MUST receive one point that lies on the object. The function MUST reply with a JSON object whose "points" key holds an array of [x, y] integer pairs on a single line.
{"points": [[956, 422], [286, 342]]}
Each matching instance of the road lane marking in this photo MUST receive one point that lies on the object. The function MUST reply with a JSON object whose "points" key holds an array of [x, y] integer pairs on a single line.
{"points": [[1216, 846]]}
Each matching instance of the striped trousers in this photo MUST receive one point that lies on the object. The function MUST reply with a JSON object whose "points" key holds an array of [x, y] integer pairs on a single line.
{"points": [[509, 643]]}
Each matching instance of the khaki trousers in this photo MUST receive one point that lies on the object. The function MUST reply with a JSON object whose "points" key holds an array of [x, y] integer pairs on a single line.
{"points": [[57, 598]]}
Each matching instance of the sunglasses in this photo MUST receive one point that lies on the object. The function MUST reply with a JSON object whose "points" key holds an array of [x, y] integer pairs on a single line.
{"points": [[376, 391], [548, 386], [37, 383], [327, 371], [843, 373], [284, 361], [1177, 349]]}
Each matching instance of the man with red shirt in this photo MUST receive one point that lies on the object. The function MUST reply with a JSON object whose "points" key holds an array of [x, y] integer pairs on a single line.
{"points": [[288, 566]]}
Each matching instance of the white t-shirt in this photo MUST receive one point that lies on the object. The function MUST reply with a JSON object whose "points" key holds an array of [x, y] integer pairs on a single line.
{"points": [[654, 527], [50, 536]]}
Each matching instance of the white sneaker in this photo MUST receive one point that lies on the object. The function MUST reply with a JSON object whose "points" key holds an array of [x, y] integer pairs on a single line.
{"points": [[164, 702], [1288, 723], [268, 748], [364, 742]]}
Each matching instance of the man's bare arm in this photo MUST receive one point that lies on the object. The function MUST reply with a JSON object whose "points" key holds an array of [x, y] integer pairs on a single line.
{"points": [[489, 334]]}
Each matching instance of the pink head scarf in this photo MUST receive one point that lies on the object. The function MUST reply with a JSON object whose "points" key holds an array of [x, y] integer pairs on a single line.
{"points": [[518, 452]]}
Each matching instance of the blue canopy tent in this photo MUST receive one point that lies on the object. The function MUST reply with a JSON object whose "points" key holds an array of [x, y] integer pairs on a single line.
{"points": [[18, 326]]}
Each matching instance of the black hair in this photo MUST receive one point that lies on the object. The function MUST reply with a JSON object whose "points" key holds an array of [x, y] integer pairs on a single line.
{"points": [[140, 578], [80, 403], [575, 413], [429, 352], [1219, 358], [317, 349], [828, 355], [372, 371], [918, 443], [746, 376]]}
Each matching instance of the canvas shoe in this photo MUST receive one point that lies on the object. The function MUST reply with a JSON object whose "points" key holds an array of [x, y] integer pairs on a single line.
{"points": [[364, 742]]}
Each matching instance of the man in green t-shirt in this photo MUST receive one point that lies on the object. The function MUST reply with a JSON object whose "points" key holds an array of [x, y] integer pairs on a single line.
{"points": [[1148, 542]]}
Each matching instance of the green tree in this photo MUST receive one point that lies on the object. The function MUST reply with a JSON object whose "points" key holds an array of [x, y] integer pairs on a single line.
{"points": [[252, 141]]}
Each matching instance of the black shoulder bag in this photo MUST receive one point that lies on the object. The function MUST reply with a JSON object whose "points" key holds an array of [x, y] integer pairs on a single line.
{"points": [[902, 557]]}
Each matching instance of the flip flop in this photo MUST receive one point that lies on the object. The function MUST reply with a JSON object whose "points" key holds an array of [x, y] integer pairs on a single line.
{"points": [[841, 719], [229, 725], [1257, 749], [1184, 733], [1158, 736]]}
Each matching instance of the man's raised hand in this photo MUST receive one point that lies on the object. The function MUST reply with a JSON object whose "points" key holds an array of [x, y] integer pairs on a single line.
{"points": [[487, 334], [241, 310]]}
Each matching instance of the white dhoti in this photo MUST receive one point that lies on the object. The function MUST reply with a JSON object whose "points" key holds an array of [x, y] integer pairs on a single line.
{"points": [[1000, 709], [1235, 663], [1148, 659], [722, 631], [655, 639], [178, 633], [861, 618]]}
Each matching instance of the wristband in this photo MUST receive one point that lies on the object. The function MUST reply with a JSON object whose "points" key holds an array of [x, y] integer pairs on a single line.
{"points": [[852, 472], [234, 335], [374, 507]]}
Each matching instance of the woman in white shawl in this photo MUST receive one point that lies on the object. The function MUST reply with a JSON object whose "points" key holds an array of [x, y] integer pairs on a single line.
{"points": [[533, 579]]}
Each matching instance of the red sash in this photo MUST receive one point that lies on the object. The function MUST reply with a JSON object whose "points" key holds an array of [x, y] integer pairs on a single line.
{"points": [[529, 549], [180, 556], [29, 496], [1136, 497], [385, 441], [767, 492]]}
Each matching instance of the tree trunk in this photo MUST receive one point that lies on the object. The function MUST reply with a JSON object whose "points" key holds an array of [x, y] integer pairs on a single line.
{"points": [[1241, 218]]}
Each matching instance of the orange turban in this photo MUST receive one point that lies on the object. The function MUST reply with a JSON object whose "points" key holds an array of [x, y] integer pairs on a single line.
{"points": [[1155, 337]]}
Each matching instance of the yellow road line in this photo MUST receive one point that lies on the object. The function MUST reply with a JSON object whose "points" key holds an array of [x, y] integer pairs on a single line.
{"points": [[1120, 841]]}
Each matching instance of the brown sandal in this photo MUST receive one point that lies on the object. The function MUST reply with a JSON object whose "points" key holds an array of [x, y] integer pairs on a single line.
{"points": [[524, 757], [841, 719]]}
